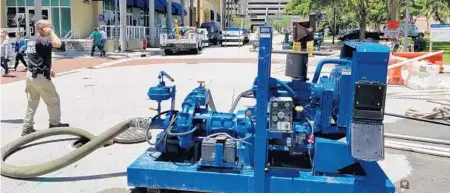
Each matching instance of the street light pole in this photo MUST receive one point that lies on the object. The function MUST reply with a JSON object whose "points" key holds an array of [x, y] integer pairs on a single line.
{"points": [[406, 26]]}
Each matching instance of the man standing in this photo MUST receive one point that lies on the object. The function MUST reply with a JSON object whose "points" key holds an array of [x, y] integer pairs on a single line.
{"points": [[97, 42], [38, 81]]}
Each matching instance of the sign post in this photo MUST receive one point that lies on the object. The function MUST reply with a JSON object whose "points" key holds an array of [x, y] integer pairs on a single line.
{"points": [[439, 33]]}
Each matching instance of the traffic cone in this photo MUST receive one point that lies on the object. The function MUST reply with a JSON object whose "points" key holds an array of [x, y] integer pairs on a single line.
{"points": [[395, 74]]}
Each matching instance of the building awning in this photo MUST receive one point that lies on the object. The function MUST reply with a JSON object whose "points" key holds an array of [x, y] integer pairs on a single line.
{"points": [[176, 7]]}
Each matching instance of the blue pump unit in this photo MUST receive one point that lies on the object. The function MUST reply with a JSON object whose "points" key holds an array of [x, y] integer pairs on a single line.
{"points": [[320, 136]]}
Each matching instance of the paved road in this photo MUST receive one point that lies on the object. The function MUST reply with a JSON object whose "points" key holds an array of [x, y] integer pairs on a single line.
{"points": [[98, 97]]}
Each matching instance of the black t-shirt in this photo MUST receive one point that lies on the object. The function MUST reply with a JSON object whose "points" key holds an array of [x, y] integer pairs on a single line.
{"points": [[39, 51]]}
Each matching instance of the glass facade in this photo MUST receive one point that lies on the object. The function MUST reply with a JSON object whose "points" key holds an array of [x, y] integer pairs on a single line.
{"points": [[20, 14]]}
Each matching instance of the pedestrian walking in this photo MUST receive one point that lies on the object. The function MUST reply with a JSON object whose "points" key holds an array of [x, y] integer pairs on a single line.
{"points": [[20, 51], [4, 52], [97, 42], [104, 37], [38, 79]]}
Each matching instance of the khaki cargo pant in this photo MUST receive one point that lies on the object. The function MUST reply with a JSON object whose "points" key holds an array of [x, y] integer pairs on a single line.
{"points": [[37, 88]]}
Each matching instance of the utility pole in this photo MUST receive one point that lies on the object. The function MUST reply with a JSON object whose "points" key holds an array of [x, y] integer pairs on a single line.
{"points": [[116, 23], [123, 25], [406, 26], [37, 10]]}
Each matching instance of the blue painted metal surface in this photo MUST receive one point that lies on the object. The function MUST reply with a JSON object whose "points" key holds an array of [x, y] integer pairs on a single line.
{"points": [[269, 161], [146, 172], [262, 99]]}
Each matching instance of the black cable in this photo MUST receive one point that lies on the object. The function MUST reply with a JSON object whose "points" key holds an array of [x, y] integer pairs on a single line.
{"points": [[417, 119], [148, 135]]}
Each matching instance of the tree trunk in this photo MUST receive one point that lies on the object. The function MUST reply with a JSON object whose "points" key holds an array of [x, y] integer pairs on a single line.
{"points": [[362, 15], [393, 9]]}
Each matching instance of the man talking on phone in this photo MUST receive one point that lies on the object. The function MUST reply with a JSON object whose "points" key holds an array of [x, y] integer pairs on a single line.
{"points": [[38, 79]]}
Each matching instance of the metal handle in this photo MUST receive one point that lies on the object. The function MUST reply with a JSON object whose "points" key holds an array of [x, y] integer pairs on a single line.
{"points": [[164, 74]]}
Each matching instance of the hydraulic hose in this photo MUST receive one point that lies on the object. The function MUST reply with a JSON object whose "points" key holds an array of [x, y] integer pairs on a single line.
{"points": [[329, 61], [32, 171]]}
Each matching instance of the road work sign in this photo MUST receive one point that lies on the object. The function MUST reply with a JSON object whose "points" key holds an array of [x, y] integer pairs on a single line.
{"points": [[392, 30], [440, 33]]}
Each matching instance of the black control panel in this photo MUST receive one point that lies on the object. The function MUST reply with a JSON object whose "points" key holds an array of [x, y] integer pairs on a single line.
{"points": [[369, 100]]}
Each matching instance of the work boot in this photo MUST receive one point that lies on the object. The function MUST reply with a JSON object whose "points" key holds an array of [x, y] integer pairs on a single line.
{"points": [[59, 125], [28, 131]]}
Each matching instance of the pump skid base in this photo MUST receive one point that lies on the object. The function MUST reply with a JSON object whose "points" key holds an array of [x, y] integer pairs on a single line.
{"points": [[148, 172]]}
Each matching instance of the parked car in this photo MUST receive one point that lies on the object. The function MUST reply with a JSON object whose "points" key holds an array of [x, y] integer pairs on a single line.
{"points": [[214, 31], [354, 35], [188, 39], [233, 36], [413, 30]]}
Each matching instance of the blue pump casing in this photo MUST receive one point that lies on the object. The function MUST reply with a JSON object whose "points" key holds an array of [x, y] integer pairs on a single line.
{"points": [[327, 140]]}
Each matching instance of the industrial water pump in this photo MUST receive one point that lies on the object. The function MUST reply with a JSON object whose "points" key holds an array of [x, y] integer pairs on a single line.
{"points": [[319, 135]]}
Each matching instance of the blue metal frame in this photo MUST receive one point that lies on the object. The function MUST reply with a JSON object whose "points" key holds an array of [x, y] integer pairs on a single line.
{"points": [[147, 172], [262, 99], [329, 157]]}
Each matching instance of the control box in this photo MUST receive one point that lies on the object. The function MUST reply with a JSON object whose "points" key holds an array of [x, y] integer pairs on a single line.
{"points": [[280, 113]]}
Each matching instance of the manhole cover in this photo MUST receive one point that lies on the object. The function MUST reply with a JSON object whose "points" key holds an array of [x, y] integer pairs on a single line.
{"points": [[132, 135]]}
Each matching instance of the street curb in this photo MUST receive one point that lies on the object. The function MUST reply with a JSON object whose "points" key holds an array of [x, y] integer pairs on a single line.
{"points": [[115, 62], [113, 55]]}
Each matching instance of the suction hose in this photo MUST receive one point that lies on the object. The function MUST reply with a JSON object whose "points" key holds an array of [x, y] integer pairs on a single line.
{"points": [[25, 172]]}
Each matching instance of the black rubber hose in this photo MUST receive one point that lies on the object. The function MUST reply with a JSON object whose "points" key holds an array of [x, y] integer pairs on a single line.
{"points": [[417, 119], [32, 171]]}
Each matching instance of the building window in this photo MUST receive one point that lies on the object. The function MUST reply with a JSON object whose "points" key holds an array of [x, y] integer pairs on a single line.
{"points": [[20, 2], [65, 20], [55, 20], [55, 2], [10, 2], [20, 13], [64, 2]]}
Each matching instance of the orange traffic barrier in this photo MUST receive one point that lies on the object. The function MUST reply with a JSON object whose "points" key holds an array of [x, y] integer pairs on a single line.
{"points": [[435, 59], [395, 74]]}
